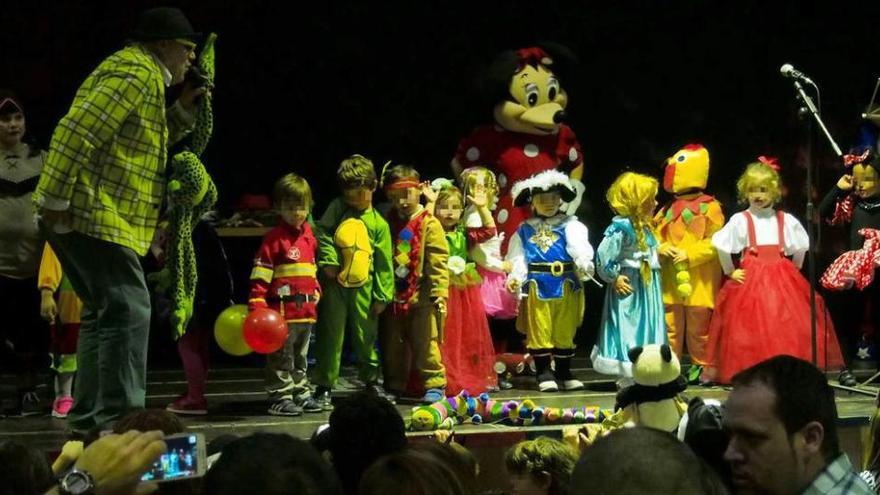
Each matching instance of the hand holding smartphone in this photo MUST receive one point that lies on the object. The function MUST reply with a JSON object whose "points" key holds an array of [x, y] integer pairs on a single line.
{"points": [[184, 458]]}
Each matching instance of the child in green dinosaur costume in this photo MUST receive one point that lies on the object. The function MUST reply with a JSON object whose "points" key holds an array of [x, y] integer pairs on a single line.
{"points": [[192, 193], [354, 246]]}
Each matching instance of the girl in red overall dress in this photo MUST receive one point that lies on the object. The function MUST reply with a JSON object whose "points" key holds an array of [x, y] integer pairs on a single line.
{"points": [[763, 309]]}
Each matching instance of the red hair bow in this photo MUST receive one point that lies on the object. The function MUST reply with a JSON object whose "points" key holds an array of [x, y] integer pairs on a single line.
{"points": [[533, 56], [850, 160], [770, 161]]}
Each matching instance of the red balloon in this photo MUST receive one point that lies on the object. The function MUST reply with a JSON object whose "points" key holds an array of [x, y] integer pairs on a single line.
{"points": [[265, 330]]}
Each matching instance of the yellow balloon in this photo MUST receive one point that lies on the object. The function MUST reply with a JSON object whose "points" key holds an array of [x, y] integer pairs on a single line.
{"points": [[228, 330]]}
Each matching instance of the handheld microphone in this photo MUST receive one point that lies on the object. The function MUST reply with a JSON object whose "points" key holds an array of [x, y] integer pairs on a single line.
{"points": [[790, 72]]}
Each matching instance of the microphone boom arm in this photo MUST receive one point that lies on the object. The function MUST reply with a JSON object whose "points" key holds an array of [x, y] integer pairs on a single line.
{"points": [[811, 107]]}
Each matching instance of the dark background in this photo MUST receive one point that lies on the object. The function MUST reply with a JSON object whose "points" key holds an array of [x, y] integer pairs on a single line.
{"points": [[301, 85]]}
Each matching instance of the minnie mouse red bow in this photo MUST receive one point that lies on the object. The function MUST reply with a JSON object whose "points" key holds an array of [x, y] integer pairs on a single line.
{"points": [[533, 56]]}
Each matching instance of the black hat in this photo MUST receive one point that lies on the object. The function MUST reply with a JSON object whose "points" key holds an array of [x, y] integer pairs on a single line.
{"points": [[163, 23], [546, 181]]}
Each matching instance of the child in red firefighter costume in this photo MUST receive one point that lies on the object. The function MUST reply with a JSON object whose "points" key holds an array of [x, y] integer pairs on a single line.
{"points": [[528, 135], [284, 278], [855, 201], [413, 329], [467, 350], [763, 309], [64, 317], [690, 271], [550, 254]]}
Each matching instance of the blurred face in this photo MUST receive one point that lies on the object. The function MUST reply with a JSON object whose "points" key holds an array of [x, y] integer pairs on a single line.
{"points": [[405, 200], [11, 129], [294, 212], [760, 196], [865, 179], [526, 484], [358, 198], [762, 456], [478, 189], [448, 211], [178, 56], [546, 204]]}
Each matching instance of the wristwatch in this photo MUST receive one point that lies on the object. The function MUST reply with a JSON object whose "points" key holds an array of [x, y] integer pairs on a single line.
{"points": [[77, 482]]}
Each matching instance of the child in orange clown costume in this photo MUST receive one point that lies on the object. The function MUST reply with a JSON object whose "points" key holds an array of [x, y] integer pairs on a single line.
{"points": [[691, 273], [413, 331], [64, 316]]}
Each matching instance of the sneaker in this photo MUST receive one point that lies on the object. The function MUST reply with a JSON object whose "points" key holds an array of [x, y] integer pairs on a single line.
{"points": [[321, 400], [62, 406], [379, 391], [694, 373], [433, 395], [285, 407], [847, 379], [572, 384], [504, 383], [549, 386], [187, 406], [312, 405], [30, 404]]}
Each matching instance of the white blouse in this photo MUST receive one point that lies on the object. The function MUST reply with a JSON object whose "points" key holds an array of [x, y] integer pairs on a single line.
{"points": [[734, 236]]}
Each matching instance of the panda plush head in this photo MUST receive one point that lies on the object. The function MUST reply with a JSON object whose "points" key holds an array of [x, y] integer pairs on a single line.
{"points": [[654, 365]]}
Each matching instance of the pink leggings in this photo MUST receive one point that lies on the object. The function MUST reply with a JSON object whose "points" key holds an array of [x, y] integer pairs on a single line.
{"points": [[194, 349]]}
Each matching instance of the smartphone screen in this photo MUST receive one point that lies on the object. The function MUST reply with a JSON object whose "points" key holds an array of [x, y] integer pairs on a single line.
{"points": [[182, 459]]}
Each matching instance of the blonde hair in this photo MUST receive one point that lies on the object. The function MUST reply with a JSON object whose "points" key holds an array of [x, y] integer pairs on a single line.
{"points": [[627, 197], [468, 179], [290, 188], [543, 454], [759, 174], [449, 192]]}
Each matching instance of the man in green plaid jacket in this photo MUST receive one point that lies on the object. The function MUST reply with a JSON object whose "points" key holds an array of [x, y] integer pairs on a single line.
{"points": [[99, 198]]}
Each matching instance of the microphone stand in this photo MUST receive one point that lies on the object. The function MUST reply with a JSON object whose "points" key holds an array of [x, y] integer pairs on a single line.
{"points": [[807, 106]]}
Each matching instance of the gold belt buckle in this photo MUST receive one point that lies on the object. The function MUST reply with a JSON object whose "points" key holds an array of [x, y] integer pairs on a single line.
{"points": [[557, 268]]}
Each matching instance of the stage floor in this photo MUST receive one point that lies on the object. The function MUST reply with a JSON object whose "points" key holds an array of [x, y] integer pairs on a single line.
{"points": [[237, 405]]}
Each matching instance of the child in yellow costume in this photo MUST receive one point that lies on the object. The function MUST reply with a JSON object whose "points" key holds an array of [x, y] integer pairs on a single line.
{"points": [[691, 273], [412, 333], [64, 316]]}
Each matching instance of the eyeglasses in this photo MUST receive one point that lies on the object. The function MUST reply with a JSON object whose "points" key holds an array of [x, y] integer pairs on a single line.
{"points": [[187, 45]]}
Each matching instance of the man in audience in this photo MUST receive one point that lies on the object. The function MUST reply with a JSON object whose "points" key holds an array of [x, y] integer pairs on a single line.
{"points": [[642, 461], [783, 437], [114, 464]]}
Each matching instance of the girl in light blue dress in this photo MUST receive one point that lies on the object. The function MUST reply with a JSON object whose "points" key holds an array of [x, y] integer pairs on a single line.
{"points": [[632, 314]]}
